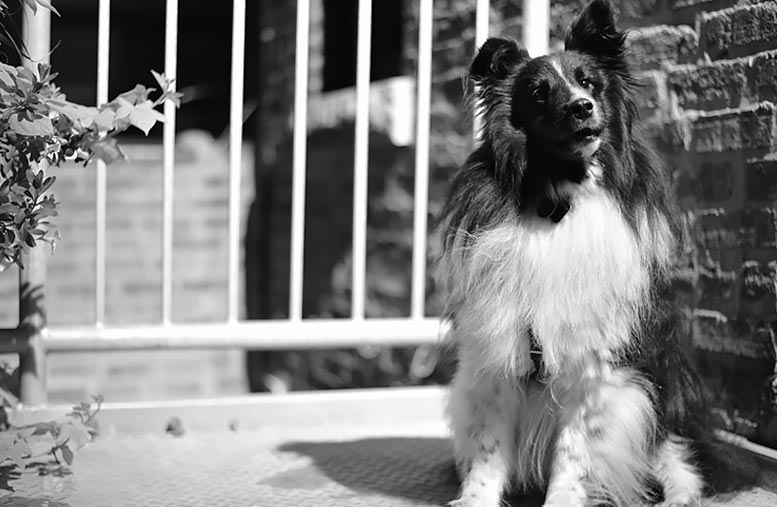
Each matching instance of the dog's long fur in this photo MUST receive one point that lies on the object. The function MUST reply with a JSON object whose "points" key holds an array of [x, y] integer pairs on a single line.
{"points": [[558, 233]]}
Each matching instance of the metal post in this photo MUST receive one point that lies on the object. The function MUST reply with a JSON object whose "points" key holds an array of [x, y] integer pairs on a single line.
{"points": [[536, 26], [168, 161], [32, 322], [32, 312]]}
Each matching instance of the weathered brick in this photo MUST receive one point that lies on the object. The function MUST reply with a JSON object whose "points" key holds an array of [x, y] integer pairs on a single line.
{"points": [[758, 281], [715, 86], [742, 337], [715, 181], [653, 47], [638, 8], [687, 11], [761, 183], [763, 76], [714, 229], [739, 31], [669, 137], [757, 23], [707, 4], [716, 35], [718, 289], [717, 229], [648, 96], [748, 129], [757, 227]]}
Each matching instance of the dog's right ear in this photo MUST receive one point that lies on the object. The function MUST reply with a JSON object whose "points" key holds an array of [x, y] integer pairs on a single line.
{"points": [[495, 59]]}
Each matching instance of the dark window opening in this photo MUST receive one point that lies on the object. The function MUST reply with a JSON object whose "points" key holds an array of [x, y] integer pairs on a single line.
{"points": [[340, 33]]}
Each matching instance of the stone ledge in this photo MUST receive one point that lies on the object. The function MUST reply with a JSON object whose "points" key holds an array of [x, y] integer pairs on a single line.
{"points": [[392, 109]]}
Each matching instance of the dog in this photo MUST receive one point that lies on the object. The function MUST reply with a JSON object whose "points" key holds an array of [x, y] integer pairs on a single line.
{"points": [[574, 374]]}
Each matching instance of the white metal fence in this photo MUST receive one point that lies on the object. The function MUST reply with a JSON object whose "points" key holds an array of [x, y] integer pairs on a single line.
{"points": [[32, 339]]}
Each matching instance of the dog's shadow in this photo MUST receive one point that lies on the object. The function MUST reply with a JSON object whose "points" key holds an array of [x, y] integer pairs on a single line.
{"points": [[414, 469]]}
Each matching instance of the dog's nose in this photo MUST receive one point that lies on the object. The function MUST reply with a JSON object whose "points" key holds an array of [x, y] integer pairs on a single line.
{"points": [[581, 108]]}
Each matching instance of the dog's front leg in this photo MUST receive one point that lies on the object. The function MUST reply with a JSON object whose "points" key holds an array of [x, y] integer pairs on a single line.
{"points": [[483, 409], [603, 451], [570, 464]]}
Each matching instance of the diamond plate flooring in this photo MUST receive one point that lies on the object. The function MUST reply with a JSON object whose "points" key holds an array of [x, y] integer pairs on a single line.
{"points": [[302, 463]]}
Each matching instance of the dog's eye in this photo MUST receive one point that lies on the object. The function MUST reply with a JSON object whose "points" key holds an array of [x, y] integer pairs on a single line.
{"points": [[586, 83], [539, 94]]}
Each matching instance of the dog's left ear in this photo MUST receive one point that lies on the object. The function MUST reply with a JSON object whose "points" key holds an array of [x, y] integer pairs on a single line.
{"points": [[594, 33]]}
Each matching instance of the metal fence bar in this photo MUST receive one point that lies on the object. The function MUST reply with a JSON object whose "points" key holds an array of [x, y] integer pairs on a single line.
{"points": [[536, 26], [168, 161], [361, 168], [32, 279], [421, 188], [235, 154], [482, 15], [256, 334], [300, 160], [103, 47]]}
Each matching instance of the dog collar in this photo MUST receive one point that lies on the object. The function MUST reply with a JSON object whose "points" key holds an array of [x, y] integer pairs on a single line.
{"points": [[553, 209]]}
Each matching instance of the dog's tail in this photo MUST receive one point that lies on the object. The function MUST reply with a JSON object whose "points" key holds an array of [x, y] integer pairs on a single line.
{"points": [[725, 466], [684, 402]]}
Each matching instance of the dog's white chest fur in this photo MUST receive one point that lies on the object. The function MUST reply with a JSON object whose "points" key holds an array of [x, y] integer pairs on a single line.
{"points": [[576, 286]]}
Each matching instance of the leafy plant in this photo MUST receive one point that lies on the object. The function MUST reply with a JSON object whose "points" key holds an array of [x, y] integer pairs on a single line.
{"points": [[49, 441], [40, 128]]}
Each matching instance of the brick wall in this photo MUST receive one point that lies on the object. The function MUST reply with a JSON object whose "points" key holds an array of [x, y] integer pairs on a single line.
{"points": [[708, 69]]}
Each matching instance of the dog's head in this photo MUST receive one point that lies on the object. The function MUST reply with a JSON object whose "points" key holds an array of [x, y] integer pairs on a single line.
{"points": [[565, 103]]}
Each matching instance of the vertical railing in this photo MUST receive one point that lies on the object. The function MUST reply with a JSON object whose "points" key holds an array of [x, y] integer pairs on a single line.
{"points": [[482, 18], [32, 309], [361, 153], [168, 161], [103, 52], [235, 155], [300, 160], [29, 337], [536, 26], [423, 101]]}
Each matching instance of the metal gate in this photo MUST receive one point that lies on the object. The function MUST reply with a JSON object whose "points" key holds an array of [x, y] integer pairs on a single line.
{"points": [[32, 339]]}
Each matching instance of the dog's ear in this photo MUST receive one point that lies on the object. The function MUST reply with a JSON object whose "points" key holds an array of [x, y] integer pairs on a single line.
{"points": [[594, 33], [495, 59]]}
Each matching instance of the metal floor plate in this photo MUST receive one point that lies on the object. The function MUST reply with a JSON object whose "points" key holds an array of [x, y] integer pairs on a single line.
{"points": [[303, 463]]}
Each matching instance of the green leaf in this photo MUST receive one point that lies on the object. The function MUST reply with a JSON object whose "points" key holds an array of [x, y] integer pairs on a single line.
{"points": [[33, 5], [67, 454], [145, 116], [105, 119], [8, 399], [107, 150], [160, 79], [137, 95], [74, 433], [40, 127], [42, 428], [47, 5], [25, 433], [14, 450], [78, 114]]}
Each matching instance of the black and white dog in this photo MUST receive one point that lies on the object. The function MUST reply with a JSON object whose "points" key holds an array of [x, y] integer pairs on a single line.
{"points": [[559, 233]]}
